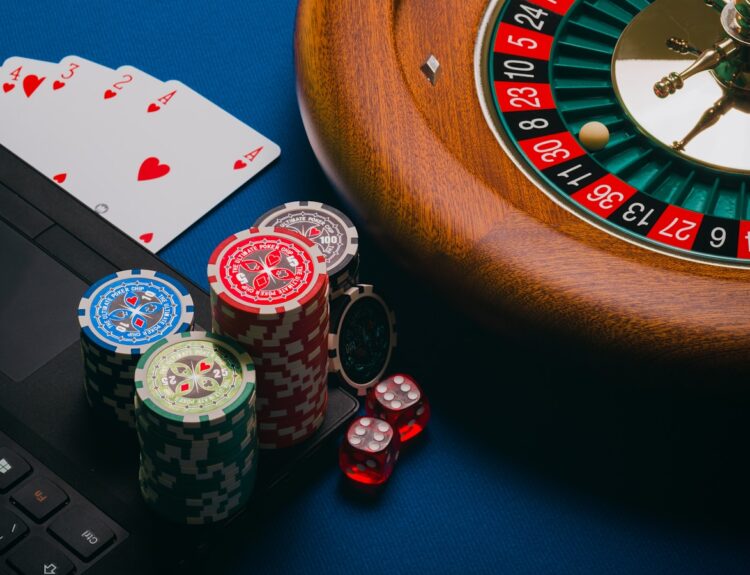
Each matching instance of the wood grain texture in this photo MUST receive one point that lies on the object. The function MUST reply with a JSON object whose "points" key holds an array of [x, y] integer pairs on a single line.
{"points": [[423, 170]]}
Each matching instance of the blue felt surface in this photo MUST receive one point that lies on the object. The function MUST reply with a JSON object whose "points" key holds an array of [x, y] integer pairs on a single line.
{"points": [[537, 460]]}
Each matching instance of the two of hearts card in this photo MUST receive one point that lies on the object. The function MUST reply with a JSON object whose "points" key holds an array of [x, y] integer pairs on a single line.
{"points": [[149, 156]]}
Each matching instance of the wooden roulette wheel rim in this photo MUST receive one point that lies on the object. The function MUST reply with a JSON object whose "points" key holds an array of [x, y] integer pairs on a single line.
{"points": [[424, 171]]}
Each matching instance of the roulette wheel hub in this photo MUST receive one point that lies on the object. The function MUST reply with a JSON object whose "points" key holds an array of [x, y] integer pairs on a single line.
{"points": [[716, 103]]}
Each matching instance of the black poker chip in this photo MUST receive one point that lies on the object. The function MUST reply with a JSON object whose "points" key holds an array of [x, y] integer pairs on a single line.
{"points": [[362, 337]]}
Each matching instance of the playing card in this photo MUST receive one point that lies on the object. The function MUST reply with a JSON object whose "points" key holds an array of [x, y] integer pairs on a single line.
{"points": [[93, 117], [172, 157], [24, 82]]}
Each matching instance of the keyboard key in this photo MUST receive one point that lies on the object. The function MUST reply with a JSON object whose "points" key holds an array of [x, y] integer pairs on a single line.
{"points": [[13, 468], [11, 529], [82, 531], [40, 498], [37, 556]]}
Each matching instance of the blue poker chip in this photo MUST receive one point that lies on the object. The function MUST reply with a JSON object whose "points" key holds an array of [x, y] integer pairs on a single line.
{"points": [[126, 312]]}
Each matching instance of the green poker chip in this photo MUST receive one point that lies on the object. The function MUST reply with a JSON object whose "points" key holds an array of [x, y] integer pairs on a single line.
{"points": [[188, 484], [211, 505], [202, 504], [177, 430], [194, 409], [230, 440], [183, 460], [199, 503], [194, 484], [192, 517], [195, 378]]}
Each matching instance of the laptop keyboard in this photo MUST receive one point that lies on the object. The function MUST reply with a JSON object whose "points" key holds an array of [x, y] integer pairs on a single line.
{"points": [[46, 527]]}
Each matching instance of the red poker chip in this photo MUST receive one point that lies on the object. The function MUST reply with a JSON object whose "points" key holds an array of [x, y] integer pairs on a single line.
{"points": [[295, 372], [300, 409], [296, 378], [281, 392], [309, 307], [286, 354], [293, 366], [307, 358], [279, 348], [278, 340], [241, 322], [285, 415], [292, 362], [300, 393], [290, 434], [292, 349], [314, 333], [267, 271], [301, 398], [279, 337], [306, 407], [239, 317], [283, 380], [297, 401], [283, 387], [290, 425], [274, 440], [279, 386], [269, 291], [255, 331]]}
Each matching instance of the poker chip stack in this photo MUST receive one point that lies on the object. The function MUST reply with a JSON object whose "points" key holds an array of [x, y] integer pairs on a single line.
{"points": [[333, 233], [196, 423], [269, 292], [120, 316], [361, 338]]}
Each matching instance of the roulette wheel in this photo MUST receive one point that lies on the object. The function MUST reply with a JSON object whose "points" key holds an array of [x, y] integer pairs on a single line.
{"points": [[579, 166]]}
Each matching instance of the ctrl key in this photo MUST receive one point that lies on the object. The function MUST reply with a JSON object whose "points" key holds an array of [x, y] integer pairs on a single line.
{"points": [[36, 556], [80, 530]]}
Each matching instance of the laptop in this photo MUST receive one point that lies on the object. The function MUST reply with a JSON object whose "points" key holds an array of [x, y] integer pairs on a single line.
{"points": [[69, 496]]}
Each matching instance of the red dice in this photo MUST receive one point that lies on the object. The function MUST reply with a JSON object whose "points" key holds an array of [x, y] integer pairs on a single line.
{"points": [[369, 451], [399, 401]]}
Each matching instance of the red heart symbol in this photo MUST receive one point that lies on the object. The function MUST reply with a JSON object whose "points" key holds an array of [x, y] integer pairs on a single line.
{"points": [[239, 164], [152, 169], [313, 233], [109, 94], [204, 366], [7, 87], [146, 238], [153, 108], [57, 84], [132, 300], [31, 83], [60, 178]]}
